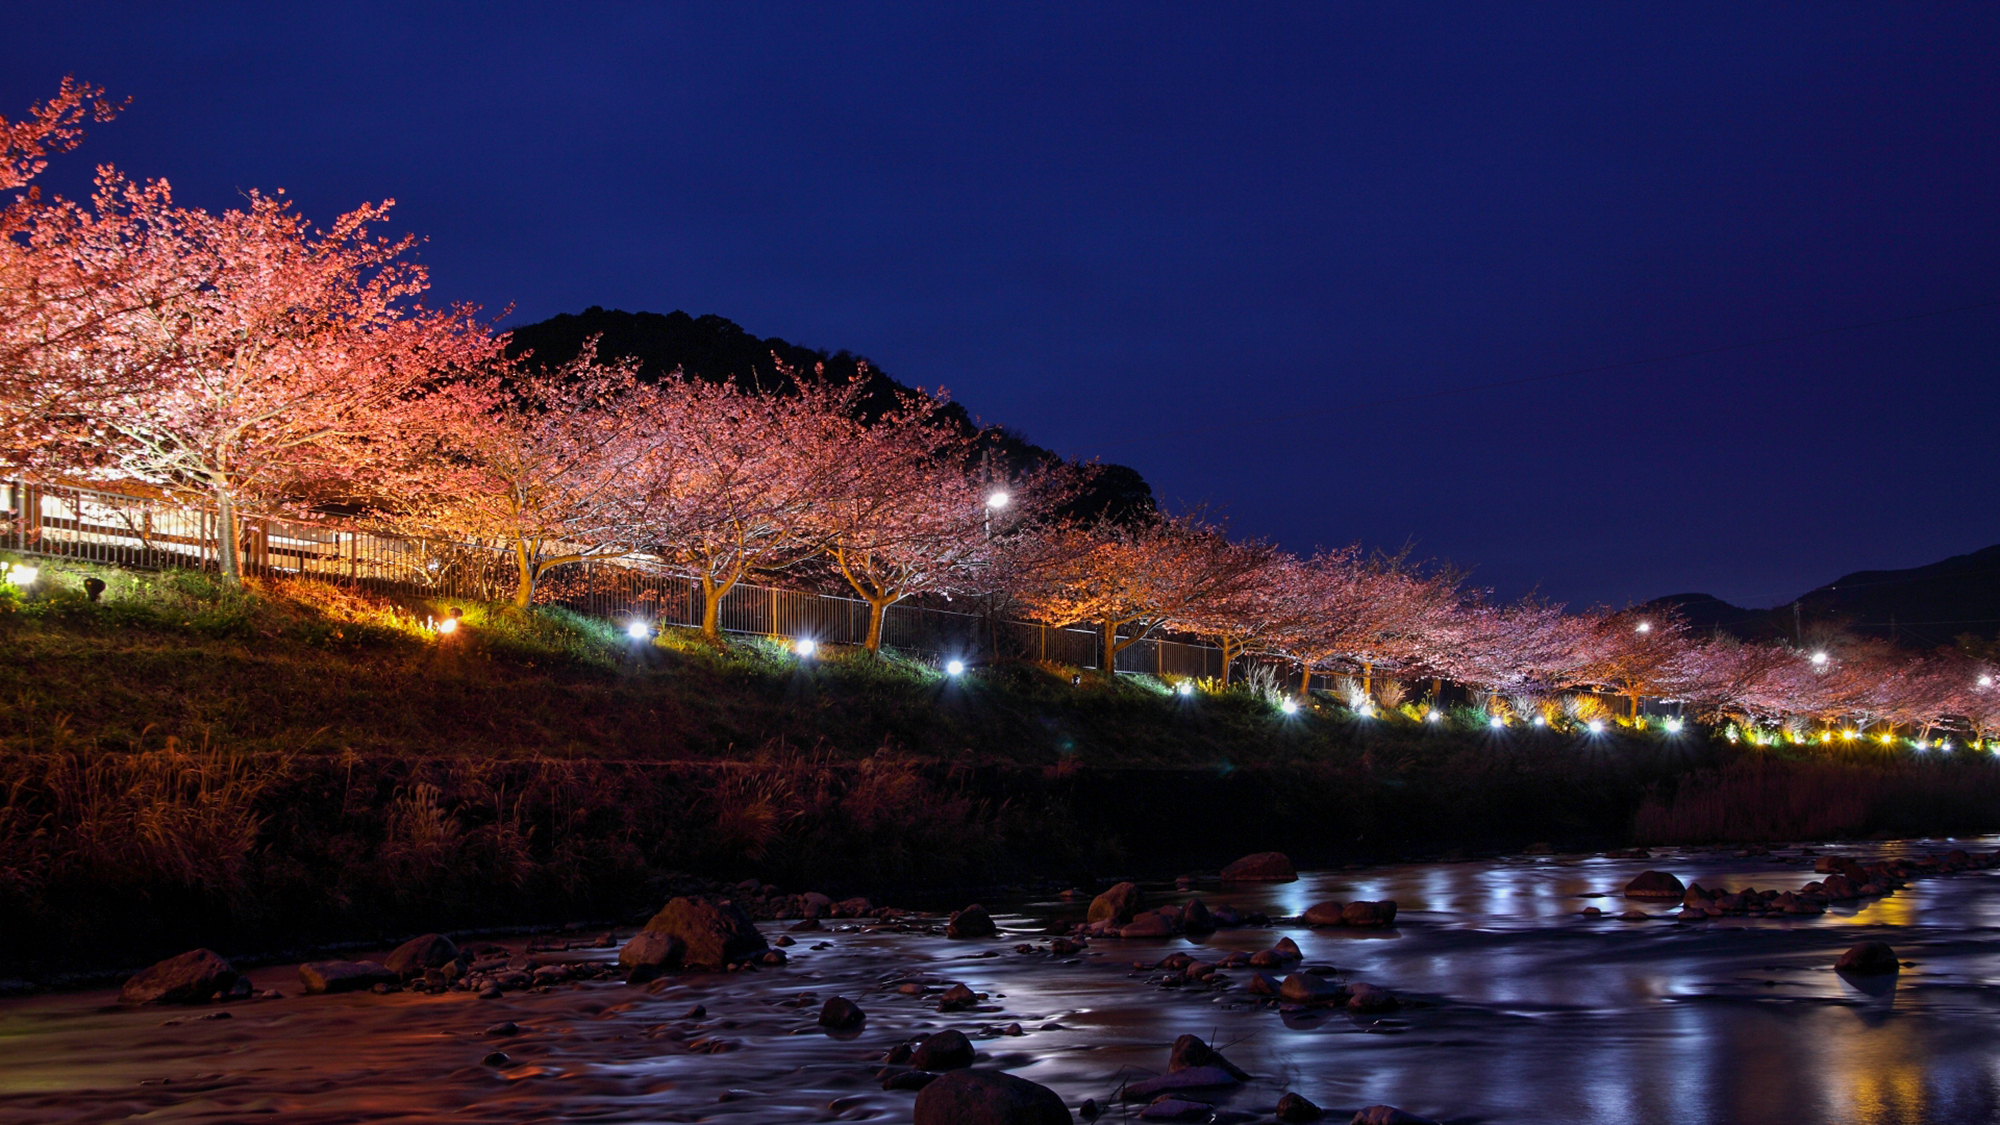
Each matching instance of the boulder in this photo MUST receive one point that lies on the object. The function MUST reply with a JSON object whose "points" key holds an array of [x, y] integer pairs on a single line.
{"points": [[1839, 888], [1659, 885], [1118, 904], [1191, 1051], [1323, 914], [713, 932], [1305, 988], [813, 904], [1367, 998], [1264, 867], [1294, 1108], [344, 976], [988, 1097], [410, 959], [1148, 926], [957, 998], [1191, 1078], [945, 1050], [841, 1014], [652, 951], [1388, 1115], [1288, 950], [1870, 958], [972, 922], [190, 978], [1195, 918], [1365, 913]]}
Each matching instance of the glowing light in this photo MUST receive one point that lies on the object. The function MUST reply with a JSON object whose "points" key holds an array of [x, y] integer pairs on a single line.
{"points": [[1945, 746], [1819, 659], [1643, 627], [1366, 710], [23, 574], [1432, 716], [1289, 707], [1985, 681], [1847, 735], [805, 647], [1184, 688], [1921, 744], [954, 668], [1597, 726], [448, 626], [1888, 739], [1673, 726], [1496, 722], [638, 631], [1826, 736], [998, 499], [1541, 721]]}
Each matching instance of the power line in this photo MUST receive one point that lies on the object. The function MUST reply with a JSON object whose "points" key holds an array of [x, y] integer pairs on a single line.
{"points": [[1499, 384]]}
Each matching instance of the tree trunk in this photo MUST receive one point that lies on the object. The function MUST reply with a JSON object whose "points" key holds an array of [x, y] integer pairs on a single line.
{"points": [[1229, 655], [874, 642], [1367, 680], [1109, 665], [711, 609], [524, 587], [226, 558], [1635, 705], [1305, 680]]}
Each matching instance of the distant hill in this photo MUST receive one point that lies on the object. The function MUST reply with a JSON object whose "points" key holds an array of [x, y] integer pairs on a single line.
{"points": [[1922, 607], [718, 350]]}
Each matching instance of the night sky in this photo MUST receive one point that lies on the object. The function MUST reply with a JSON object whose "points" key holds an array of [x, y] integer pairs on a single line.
{"points": [[1214, 242]]}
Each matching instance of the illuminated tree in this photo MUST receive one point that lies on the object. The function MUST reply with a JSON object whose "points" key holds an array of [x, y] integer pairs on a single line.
{"points": [[1243, 615], [1633, 653]]}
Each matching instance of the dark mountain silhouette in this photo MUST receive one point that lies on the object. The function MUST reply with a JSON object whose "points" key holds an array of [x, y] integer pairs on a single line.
{"points": [[718, 350], [1922, 607]]}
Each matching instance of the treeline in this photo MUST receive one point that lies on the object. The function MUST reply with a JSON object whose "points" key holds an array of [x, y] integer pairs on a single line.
{"points": [[251, 360]]}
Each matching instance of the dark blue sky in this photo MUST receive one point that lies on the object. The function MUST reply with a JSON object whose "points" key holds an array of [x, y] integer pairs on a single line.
{"points": [[1105, 225]]}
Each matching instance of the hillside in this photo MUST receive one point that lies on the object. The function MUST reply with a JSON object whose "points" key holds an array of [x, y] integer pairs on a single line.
{"points": [[718, 350], [1920, 607]]}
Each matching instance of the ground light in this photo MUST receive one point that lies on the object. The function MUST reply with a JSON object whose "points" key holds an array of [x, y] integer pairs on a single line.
{"points": [[1597, 726], [638, 631], [1819, 659], [954, 668], [447, 627], [1184, 688], [1289, 707], [1847, 735], [1985, 681], [23, 575], [805, 647], [1366, 710], [1496, 722], [1540, 721], [1673, 726], [1433, 717]]}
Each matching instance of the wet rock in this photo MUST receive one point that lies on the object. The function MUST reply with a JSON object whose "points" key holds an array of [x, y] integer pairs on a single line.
{"points": [[1264, 867], [1388, 1115], [1117, 905], [190, 978], [945, 1050], [815, 905], [1323, 914], [774, 957], [856, 907], [1264, 984], [1088, 1110], [805, 927], [957, 998], [344, 976], [1369, 999], [1870, 958], [1365, 913], [1063, 947], [1148, 926], [713, 932], [1294, 1107], [1192, 1051], [909, 1080], [988, 1097], [1195, 918], [1170, 1108], [1659, 885], [650, 953], [972, 922], [841, 1014], [495, 1059], [1288, 950], [1191, 1078], [1838, 888], [698, 1012], [506, 1028], [1305, 988], [410, 959]]}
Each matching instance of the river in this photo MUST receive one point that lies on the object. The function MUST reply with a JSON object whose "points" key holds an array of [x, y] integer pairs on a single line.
{"points": [[1519, 1010]]}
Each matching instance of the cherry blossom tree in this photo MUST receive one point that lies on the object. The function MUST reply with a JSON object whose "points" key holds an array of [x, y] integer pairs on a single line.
{"points": [[1261, 603]]}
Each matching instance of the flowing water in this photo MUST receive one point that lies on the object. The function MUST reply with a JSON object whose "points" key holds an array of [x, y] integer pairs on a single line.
{"points": [[1520, 1011]]}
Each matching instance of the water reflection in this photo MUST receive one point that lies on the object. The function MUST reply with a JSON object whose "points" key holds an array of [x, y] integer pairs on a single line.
{"points": [[1522, 1011]]}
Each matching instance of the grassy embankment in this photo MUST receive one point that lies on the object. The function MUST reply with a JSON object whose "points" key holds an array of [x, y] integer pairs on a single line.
{"points": [[183, 765]]}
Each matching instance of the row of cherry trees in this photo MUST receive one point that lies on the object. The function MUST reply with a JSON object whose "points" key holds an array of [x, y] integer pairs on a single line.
{"points": [[255, 361]]}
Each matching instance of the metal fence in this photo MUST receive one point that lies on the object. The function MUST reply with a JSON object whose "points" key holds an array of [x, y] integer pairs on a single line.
{"points": [[154, 532]]}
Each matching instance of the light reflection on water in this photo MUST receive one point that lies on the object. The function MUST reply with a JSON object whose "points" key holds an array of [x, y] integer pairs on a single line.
{"points": [[1525, 1013]]}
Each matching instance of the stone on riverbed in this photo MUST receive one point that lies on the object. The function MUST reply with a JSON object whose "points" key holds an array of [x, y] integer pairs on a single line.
{"points": [[1870, 958], [1659, 885], [957, 998], [988, 1097], [1191, 1051], [410, 959], [1190, 1078], [1294, 1108], [841, 1014], [1370, 999], [190, 978], [1264, 867], [972, 922], [713, 932], [1148, 926], [1305, 988], [649, 953], [1195, 918], [945, 1050], [344, 976], [1366, 913], [1117, 905]]}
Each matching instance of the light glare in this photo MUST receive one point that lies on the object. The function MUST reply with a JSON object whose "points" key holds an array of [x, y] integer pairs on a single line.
{"points": [[1673, 726], [1597, 726], [998, 499], [637, 631], [448, 626], [1819, 659], [1496, 722], [954, 668], [1289, 707], [805, 646]]}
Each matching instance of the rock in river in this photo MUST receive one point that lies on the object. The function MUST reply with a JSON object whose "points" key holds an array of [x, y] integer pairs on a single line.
{"points": [[1323, 914], [972, 922], [1191, 1050], [1295, 1107], [431, 951], [190, 978], [343, 976], [1659, 885], [1366, 913], [649, 952], [1117, 904], [988, 1097], [1305, 988], [1264, 867], [1149, 925], [1869, 959], [946, 1050], [715, 932], [840, 1014]]}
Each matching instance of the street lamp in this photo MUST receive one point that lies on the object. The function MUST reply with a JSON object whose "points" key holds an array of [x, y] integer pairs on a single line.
{"points": [[1643, 627], [954, 668]]}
